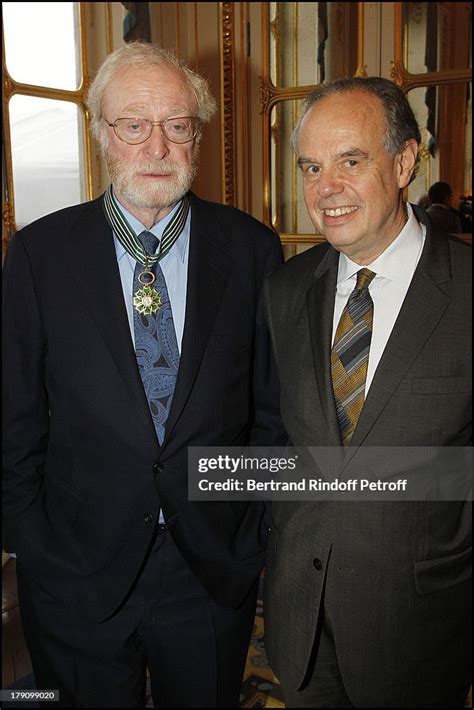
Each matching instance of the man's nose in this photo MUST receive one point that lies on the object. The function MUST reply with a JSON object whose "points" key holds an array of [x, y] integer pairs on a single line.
{"points": [[330, 182], [156, 146]]}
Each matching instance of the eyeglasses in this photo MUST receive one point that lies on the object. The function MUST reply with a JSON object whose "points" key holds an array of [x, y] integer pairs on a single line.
{"points": [[137, 130]]}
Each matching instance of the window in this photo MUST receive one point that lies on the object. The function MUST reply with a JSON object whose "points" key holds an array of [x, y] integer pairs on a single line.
{"points": [[45, 147]]}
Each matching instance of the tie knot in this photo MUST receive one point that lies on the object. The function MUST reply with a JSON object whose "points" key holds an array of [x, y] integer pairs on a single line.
{"points": [[149, 241], [364, 277]]}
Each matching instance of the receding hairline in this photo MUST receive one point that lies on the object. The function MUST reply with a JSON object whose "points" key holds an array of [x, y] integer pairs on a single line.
{"points": [[346, 92], [339, 94]]}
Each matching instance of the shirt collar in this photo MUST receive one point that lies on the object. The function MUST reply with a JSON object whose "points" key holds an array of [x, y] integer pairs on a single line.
{"points": [[178, 250], [398, 261]]}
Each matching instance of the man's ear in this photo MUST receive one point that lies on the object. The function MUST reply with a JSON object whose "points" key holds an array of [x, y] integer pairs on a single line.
{"points": [[406, 161]]}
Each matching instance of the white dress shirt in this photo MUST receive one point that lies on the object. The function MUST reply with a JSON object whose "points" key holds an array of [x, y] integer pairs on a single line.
{"points": [[394, 269]]}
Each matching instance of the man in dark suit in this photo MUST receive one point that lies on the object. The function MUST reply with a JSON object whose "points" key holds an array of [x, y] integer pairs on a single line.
{"points": [[441, 211], [367, 603], [119, 355]]}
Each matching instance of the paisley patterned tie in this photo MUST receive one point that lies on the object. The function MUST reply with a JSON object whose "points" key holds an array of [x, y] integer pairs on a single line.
{"points": [[156, 345]]}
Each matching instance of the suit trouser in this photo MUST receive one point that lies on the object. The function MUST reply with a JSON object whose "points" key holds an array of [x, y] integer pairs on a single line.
{"points": [[323, 687], [195, 650]]}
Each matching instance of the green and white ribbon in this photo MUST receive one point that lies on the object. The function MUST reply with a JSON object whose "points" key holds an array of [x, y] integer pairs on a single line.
{"points": [[129, 240]]}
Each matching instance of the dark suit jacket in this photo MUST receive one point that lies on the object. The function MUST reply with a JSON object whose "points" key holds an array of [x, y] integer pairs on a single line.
{"points": [[84, 476], [395, 575]]}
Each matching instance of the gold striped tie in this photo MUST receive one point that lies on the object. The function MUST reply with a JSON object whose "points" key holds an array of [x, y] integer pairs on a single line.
{"points": [[350, 355]]}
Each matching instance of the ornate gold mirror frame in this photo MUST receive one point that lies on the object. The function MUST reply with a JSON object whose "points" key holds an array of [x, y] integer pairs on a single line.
{"points": [[270, 96], [453, 106], [402, 77]]}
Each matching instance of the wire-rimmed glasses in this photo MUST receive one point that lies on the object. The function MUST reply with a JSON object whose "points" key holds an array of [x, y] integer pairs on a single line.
{"points": [[134, 131]]}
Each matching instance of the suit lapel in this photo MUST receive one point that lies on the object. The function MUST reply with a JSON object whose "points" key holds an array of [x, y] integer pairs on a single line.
{"points": [[91, 255], [426, 301], [210, 265], [320, 303]]}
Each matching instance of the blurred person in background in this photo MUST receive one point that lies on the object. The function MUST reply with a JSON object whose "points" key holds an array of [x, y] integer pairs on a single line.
{"points": [[441, 211], [465, 210], [424, 201]]}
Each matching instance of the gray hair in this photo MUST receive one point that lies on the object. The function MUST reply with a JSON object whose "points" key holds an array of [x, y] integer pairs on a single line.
{"points": [[400, 121], [144, 55]]}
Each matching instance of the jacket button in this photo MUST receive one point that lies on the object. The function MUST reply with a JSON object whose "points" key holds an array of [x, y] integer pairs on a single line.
{"points": [[317, 563], [148, 518], [158, 467]]}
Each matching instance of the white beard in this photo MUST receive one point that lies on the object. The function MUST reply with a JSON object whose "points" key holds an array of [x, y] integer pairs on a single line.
{"points": [[150, 194]]}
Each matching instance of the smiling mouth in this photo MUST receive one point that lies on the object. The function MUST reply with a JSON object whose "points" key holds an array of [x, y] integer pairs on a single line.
{"points": [[339, 211]]}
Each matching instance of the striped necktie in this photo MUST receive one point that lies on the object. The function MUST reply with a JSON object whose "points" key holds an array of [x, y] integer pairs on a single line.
{"points": [[350, 355]]}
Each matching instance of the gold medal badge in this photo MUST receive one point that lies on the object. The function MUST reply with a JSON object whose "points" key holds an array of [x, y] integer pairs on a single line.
{"points": [[147, 301]]}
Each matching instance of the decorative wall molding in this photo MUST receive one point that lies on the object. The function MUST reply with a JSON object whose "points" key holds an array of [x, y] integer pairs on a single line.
{"points": [[451, 108], [268, 92], [362, 71], [7, 215], [7, 85], [228, 102], [270, 96], [407, 81]]}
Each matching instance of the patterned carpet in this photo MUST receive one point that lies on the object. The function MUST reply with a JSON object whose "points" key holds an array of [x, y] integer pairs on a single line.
{"points": [[260, 688]]}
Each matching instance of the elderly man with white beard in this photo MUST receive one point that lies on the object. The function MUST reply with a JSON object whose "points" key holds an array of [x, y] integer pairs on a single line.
{"points": [[135, 337]]}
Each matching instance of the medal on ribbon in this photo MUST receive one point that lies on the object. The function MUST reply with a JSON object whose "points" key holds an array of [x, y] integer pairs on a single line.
{"points": [[146, 300]]}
